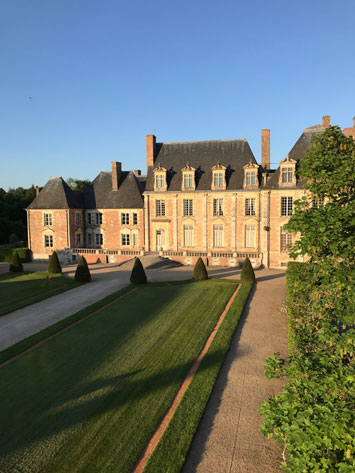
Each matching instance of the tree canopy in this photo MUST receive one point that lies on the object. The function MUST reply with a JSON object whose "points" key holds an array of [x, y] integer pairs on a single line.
{"points": [[78, 184]]}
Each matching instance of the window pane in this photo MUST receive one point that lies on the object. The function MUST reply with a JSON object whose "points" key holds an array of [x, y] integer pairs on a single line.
{"points": [[160, 208], [250, 206], [218, 235], [250, 240], [188, 235], [217, 207]]}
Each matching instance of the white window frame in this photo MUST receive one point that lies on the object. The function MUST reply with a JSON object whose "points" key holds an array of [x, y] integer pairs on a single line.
{"points": [[286, 240], [188, 207], [218, 207], [48, 241], [218, 236], [135, 219], [250, 236], [218, 179], [159, 181], [125, 239], [98, 218], [250, 178], [188, 180], [124, 218], [286, 206], [287, 174], [48, 219], [188, 235], [99, 239], [250, 206], [160, 208]]}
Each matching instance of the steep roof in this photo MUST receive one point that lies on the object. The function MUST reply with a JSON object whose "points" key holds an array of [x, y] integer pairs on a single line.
{"points": [[202, 155], [56, 194]]}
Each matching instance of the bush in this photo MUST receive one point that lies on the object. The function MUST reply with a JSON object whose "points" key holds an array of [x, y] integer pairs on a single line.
{"points": [[7, 253], [82, 273], [16, 265], [200, 271], [54, 266], [138, 275], [247, 273]]}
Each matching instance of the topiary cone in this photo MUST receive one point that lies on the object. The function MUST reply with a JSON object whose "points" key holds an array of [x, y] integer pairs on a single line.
{"points": [[247, 273], [138, 275], [200, 271], [15, 264], [54, 266], [82, 273]]}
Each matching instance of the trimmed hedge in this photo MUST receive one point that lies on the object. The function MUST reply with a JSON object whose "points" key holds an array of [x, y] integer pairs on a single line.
{"points": [[54, 266], [200, 271], [247, 273], [138, 275], [82, 273], [23, 253], [16, 265]]}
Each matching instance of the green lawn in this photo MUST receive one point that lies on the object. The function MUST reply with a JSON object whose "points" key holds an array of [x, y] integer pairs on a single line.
{"points": [[18, 290], [89, 399]]}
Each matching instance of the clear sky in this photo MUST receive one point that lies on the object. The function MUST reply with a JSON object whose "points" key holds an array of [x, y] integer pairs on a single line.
{"points": [[83, 81]]}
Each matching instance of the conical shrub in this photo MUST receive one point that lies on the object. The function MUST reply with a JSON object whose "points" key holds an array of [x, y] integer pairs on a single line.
{"points": [[82, 273], [200, 271], [54, 266], [138, 275], [247, 273], [15, 264]]}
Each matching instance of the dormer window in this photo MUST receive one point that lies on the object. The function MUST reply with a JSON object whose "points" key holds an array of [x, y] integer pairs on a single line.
{"points": [[286, 175], [218, 177], [251, 178], [188, 178], [251, 175], [287, 172], [160, 183]]}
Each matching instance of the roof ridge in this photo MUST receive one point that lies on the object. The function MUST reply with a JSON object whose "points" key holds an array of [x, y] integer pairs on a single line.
{"points": [[202, 141]]}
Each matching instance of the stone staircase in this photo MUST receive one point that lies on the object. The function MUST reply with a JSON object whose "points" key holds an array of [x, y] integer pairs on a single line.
{"points": [[152, 261]]}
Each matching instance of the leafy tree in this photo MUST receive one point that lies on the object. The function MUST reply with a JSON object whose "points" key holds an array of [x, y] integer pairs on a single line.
{"points": [[247, 273], [82, 273], [54, 266], [200, 271], [78, 184], [314, 415], [138, 275], [15, 264]]}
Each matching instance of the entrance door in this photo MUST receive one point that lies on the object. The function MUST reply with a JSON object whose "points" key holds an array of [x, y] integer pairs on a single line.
{"points": [[160, 239]]}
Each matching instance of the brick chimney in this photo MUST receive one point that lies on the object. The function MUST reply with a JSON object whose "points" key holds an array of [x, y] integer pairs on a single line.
{"points": [[150, 140], [37, 191], [265, 149], [326, 121], [116, 174], [137, 172]]}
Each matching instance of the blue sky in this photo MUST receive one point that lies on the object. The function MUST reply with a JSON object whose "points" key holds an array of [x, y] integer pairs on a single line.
{"points": [[103, 74]]}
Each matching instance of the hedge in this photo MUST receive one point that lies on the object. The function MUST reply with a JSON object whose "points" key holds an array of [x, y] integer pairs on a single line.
{"points": [[6, 254]]}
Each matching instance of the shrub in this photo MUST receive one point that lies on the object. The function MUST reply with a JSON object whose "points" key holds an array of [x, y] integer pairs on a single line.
{"points": [[247, 273], [15, 264], [200, 271], [138, 275], [82, 273], [7, 253], [54, 266]]}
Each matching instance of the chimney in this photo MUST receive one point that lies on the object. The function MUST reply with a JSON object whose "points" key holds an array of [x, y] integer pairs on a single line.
{"points": [[326, 121], [137, 172], [150, 140], [37, 191], [116, 174], [265, 149]]}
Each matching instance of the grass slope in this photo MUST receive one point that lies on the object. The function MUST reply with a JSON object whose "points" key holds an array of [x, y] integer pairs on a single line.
{"points": [[20, 290], [92, 396]]}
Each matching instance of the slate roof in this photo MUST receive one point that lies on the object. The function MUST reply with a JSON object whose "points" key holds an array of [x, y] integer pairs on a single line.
{"points": [[202, 155], [56, 194]]}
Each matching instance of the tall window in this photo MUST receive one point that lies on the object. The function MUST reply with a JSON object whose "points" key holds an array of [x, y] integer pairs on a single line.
{"points": [[285, 240], [135, 219], [250, 236], [125, 239], [89, 238], [188, 235], [99, 239], [286, 206], [98, 218], [188, 180], [78, 218], [251, 178], [188, 207], [48, 241], [124, 218], [89, 218], [159, 180], [218, 179], [217, 207], [250, 206], [218, 236], [160, 208], [134, 239], [286, 175], [47, 219], [78, 239]]}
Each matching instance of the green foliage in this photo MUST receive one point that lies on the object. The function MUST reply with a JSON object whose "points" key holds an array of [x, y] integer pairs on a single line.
{"points": [[78, 184], [314, 415], [247, 273], [6, 254], [82, 273], [54, 266], [138, 275], [200, 271], [15, 264]]}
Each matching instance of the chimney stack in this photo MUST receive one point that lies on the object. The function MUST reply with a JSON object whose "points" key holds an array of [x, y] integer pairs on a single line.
{"points": [[116, 174], [137, 172], [326, 121], [265, 149], [37, 191], [150, 140]]}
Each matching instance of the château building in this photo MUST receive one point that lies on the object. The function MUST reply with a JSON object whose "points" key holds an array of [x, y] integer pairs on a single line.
{"points": [[203, 198]]}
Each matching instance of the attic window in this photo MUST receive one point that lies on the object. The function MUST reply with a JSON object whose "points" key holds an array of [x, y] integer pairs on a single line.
{"points": [[160, 178], [188, 178], [218, 177], [251, 178], [287, 174]]}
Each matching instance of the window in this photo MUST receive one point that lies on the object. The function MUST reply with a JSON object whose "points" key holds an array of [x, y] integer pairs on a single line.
{"points": [[89, 238], [285, 240], [124, 218], [251, 178], [77, 218], [134, 239], [98, 218], [135, 219], [89, 218], [78, 239], [48, 220], [188, 207], [250, 206], [48, 241], [217, 207], [250, 240], [188, 235], [99, 239], [286, 206], [286, 175], [188, 180], [218, 179], [125, 240], [160, 208], [317, 203], [159, 180], [218, 235]]}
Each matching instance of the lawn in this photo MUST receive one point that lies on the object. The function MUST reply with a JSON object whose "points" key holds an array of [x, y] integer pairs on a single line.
{"points": [[93, 395], [18, 290]]}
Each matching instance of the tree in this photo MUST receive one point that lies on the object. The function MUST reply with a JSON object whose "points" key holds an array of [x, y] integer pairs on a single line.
{"points": [[200, 272], [78, 184], [138, 275], [82, 273], [247, 273], [15, 264], [54, 266]]}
